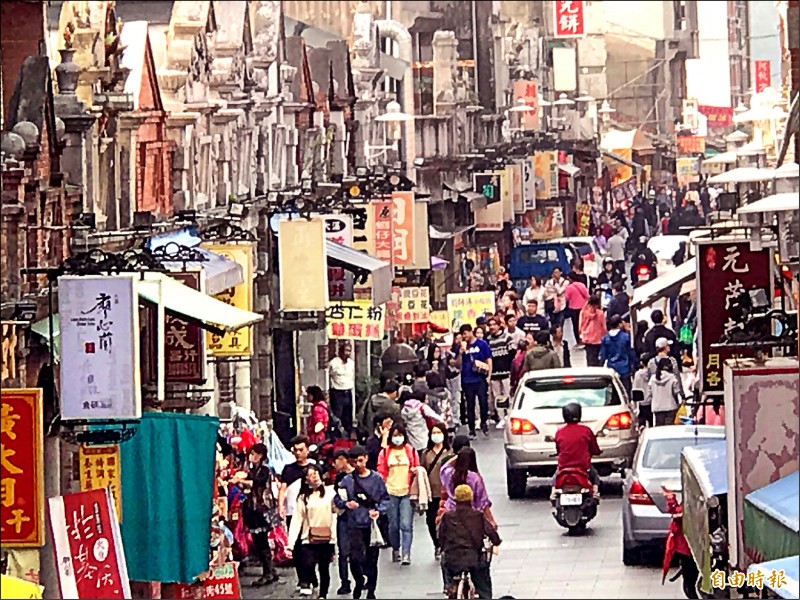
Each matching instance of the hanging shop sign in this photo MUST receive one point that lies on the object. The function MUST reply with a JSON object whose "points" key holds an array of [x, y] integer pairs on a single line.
{"points": [[584, 218], [467, 307], [302, 242], [356, 320], [568, 15], [383, 219], [88, 546], [506, 195], [21, 469], [687, 169], [526, 90], [236, 343], [528, 184], [624, 191], [403, 218], [364, 241], [541, 171], [14, 587], [413, 305], [544, 223], [763, 75], [99, 331], [691, 144], [100, 468], [726, 271], [185, 343], [339, 229], [490, 216], [718, 117]]}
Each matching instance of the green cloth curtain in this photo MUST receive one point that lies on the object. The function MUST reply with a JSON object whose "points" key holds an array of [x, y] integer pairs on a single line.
{"points": [[167, 493], [766, 538]]}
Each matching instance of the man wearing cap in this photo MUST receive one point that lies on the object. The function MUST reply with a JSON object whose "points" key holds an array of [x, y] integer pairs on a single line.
{"points": [[660, 330], [663, 349], [462, 533]]}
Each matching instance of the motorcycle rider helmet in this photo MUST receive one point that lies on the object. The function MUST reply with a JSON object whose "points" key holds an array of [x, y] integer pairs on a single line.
{"points": [[571, 412], [608, 261]]}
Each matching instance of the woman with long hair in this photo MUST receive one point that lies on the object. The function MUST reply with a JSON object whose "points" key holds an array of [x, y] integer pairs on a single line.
{"points": [[313, 532], [464, 470], [397, 464], [432, 460]]}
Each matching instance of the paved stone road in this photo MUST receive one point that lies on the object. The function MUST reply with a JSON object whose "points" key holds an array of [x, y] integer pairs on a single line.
{"points": [[537, 558]]}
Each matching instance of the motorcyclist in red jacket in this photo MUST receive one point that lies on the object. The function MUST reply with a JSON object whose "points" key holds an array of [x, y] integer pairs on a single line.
{"points": [[576, 444]]}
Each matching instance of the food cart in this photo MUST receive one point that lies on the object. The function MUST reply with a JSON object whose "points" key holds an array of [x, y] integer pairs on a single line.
{"points": [[704, 482]]}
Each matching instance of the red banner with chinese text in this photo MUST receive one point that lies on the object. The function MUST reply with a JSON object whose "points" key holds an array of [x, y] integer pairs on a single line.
{"points": [[21, 469], [383, 220], [691, 144], [88, 545], [568, 15], [763, 75], [222, 583], [724, 270], [718, 117]]}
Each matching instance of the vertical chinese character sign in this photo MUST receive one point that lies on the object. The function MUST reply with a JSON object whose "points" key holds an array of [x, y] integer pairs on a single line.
{"points": [[88, 545], [99, 331], [725, 270], [763, 75], [568, 15], [383, 220], [489, 217], [528, 184], [100, 468], [21, 470], [237, 343], [339, 230], [526, 90], [413, 305], [403, 228], [185, 343]]}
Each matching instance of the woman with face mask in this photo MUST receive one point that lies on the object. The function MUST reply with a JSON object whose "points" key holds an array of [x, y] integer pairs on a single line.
{"points": [[432, 460], [314, 530], [397, 465]]}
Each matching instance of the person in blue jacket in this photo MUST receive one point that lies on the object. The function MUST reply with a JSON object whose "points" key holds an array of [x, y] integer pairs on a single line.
{"points": [[616, 351], [364, 500]]}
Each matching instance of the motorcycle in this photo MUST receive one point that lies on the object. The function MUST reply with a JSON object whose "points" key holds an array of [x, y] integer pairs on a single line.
{"points": [[574, 503]]}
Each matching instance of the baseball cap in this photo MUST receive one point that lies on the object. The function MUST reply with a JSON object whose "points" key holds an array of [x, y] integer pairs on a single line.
{"points": [[663, 343]]}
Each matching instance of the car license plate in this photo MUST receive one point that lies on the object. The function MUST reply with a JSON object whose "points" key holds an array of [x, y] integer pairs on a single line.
{"points": [[571, 499]]}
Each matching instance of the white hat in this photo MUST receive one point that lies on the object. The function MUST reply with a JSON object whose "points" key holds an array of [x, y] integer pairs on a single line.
{"points": [[662, 343]]}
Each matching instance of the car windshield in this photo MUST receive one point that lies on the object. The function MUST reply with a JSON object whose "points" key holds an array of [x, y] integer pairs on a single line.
{"points": [[557, 392], [584, 248], [666, 453], [538, 256]]}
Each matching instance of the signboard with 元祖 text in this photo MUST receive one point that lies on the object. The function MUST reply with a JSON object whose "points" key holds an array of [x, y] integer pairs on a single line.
{"points": [[356, 320], [185, 343], [383, 221], [100, 468], [339, 229], [725, 270], [90, 558], [403, 228], [21, 469], [237, 343], [413, 305], [99, 331], [568, 16], [467, 307]]}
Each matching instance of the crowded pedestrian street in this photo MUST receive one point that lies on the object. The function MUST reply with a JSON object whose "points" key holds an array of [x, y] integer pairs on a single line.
{"points": [[370, 299]]}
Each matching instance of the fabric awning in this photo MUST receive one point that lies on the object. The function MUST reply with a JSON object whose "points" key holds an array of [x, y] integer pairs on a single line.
{"points": [[774, 203], [723, 158], [652, 290], [362, 263], [744, 175], [193, 305], [622, 160], [708, 463], [570, 170], [439, 233], [790, 566], [219, 272], [771, 519], [616, 139]]}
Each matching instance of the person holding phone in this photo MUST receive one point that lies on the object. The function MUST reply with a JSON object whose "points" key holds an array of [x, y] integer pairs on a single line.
{"points": [[476, 369]]}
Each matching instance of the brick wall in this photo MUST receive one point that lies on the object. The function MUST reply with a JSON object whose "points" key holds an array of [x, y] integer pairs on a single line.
{"points": [[21, 34]]}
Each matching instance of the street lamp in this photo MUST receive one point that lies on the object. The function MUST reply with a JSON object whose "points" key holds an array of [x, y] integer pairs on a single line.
{"points": [[605, 113], [393, 117]]}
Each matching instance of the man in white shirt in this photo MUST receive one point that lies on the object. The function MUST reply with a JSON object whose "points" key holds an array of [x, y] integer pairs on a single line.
{"points": [[615, 249], [342, 373]]}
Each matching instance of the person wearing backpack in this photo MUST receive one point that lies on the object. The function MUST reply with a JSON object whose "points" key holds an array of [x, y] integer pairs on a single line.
{"points": [[382, 403], [432, 460]]}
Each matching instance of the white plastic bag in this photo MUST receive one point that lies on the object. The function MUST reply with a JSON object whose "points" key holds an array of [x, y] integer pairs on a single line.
{"points": [[375, 537], [278, 456]]}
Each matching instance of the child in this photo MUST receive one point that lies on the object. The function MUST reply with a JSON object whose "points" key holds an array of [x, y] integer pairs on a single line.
{"points": [[639, 391]]}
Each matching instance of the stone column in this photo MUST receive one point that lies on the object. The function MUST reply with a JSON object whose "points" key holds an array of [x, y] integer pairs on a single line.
{"points": [[445, 71]]}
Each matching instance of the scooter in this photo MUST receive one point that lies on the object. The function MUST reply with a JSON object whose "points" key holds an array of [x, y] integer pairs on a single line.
{"points": [[677, 545], [574, 504]]}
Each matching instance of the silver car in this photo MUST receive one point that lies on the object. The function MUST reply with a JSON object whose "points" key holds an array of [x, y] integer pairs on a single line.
{"points": [[657, 465], [535, 416]]}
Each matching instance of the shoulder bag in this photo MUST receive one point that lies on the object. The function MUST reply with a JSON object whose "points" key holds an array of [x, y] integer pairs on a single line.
{"points": [[319, 534]]}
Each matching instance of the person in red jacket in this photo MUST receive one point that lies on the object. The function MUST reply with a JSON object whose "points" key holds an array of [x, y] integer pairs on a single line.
{"points": [[320, 414], [576, 444]]}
